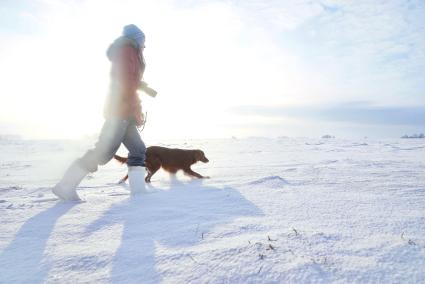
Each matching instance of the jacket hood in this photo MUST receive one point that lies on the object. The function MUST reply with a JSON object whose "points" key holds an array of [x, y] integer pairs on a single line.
{"points": [[119, 42]]}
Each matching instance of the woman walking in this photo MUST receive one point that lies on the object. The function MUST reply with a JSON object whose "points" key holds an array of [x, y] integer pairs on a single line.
{"points": [[123, 115]]}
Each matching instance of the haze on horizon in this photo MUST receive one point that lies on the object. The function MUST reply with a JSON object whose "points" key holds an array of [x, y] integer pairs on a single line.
{"points": [[222, 68]]}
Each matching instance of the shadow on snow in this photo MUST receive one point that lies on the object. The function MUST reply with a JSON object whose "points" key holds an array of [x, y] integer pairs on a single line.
{"points": [[172, 218], [22, 261]]}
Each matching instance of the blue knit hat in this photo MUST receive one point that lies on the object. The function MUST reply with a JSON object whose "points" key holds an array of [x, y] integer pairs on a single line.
{"points": [[133, 32]]}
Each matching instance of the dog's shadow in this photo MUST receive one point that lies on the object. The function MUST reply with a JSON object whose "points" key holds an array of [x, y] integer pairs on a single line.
{"points": [[178, 217]]}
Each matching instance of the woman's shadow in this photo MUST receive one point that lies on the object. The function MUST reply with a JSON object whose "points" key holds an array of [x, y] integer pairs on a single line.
{"points": [[22, 261], [179, 217]]}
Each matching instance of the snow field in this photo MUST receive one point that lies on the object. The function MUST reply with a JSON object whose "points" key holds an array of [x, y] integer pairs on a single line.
{"points": [[275, 211]]}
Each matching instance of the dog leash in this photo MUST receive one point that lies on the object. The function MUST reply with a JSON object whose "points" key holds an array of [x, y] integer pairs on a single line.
{"points": [[140, 128]]}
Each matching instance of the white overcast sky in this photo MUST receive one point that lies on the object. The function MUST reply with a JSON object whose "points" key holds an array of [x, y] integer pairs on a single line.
{"points": [[222, 68]]}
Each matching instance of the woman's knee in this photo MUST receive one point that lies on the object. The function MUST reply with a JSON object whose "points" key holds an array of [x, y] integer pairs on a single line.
{"points": [[96, 157], [105, 157]]}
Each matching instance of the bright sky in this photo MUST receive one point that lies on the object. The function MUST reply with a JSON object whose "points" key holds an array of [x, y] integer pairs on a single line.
{"points": [[222, 68]]}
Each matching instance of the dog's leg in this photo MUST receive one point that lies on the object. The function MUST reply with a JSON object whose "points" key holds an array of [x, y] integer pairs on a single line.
{"points": [[190, 172], [123, 179], [153, 167], [148, 177], [150, 174]]}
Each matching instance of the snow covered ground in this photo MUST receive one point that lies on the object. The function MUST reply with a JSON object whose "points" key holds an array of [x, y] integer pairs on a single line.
{"points": [[274, 211]]}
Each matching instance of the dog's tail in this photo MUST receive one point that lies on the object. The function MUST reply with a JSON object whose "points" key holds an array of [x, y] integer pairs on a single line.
{"points": [[120, 159]]}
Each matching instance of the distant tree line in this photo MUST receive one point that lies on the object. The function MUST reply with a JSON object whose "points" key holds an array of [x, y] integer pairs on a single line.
{"points": [[421, 135]]}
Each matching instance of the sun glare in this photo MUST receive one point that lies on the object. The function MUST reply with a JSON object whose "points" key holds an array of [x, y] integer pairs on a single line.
{"points": [[200, 70]]}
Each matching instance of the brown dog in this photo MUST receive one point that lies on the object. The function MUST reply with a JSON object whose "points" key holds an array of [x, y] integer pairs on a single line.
{"points": [[171, 160]]}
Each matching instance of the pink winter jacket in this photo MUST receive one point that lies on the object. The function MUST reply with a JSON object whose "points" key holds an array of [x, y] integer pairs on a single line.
{"points": [[126, 73]]}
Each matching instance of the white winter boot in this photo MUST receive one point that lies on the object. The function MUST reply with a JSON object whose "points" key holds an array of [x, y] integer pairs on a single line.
{"points": [[136, 179], [66, 188]]}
